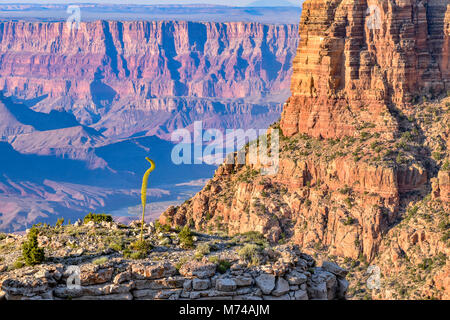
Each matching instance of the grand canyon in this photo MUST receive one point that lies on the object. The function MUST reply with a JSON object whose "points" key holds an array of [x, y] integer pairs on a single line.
{"points": [[78, 107], [358, 208]]}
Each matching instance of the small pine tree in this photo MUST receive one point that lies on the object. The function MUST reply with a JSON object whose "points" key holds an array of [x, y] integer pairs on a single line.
{"points": [[31, 252], [97, 218], [186, 238]]}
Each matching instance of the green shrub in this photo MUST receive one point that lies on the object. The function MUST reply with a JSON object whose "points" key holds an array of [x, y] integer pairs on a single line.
{"points": [[138, 250], [446, 236], [446, 166], [412, 211], [444, 225], [136, 255], [18, 264], [441, 259], [253, 236], [345, 190], [250, 253], [143, 245], [426, 264], [100, 261], [282, 239], [407, 136], [365, 135], [186, 238], [116, 246], [222, 265], [437, 156], [181, 262], [31, 252], [349, 202], [97, 218], [349, 221], [2, 236], [161, 227], [204, 248]]}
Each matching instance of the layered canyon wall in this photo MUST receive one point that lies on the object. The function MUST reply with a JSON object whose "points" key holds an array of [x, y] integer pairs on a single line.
{"points": [[359, 54], [145, 67]]}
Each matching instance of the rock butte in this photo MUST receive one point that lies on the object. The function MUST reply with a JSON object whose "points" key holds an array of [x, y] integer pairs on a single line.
{"points": [[348, 60]]}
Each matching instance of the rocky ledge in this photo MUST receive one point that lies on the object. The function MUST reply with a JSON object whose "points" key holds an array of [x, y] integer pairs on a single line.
{"points": [[219, 268]]}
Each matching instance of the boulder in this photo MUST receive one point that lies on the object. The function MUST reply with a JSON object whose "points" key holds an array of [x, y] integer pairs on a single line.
{"points": [[296, 278], [198, 269], [201, 284], [227, 285], [281, 287], [334, 269], [301, 295], [266, 282]]}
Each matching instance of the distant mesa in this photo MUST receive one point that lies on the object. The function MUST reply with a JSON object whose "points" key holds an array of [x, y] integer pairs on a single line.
{"points": [[271, 3]]}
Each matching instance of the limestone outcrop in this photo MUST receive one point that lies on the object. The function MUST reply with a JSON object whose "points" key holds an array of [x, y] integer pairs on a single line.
{"points": [[213, 270]]}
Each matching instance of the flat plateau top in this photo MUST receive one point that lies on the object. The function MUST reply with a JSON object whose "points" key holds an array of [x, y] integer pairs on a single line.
{"points": [[269, 15]]}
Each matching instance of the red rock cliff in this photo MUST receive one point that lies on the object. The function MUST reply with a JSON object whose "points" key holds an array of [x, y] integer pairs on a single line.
{"points": [[147, 58], [147, 76], [360, 53]]}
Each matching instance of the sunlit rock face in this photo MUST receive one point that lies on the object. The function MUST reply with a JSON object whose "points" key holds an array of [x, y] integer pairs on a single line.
{"points": [[365, 54]]}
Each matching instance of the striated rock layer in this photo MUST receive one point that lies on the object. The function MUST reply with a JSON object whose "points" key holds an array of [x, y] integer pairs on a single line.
{"points": [[74, 103], [148, 58], [356, 54], [106, 68], [378, 96]]}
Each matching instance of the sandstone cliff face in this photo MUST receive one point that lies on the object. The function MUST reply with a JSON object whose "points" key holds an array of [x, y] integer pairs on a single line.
{"points": [[385, 152], [349, 59], [104, 67], [149, 58]]}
